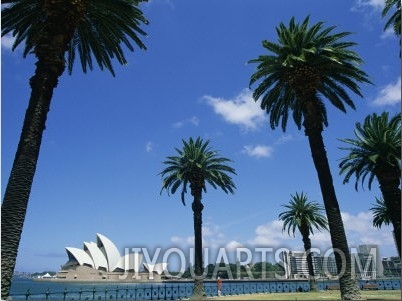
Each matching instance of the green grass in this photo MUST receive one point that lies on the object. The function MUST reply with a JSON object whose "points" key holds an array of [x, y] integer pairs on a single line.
{"points": [[323, 295]]}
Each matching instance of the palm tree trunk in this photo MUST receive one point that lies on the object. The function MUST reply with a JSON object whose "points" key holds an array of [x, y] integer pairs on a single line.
{"points": [[307, 249], [348, 283], [13, 209], [389, 186], [197, 206], [49, 67]]}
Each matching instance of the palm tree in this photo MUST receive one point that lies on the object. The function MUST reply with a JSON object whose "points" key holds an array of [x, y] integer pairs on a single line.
{"points": [[196, 165], [376, 153], [305, 216], [54, 31], [395, 19], [307, 66]]}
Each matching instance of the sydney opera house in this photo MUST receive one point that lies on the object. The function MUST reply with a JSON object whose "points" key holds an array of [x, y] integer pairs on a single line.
{"points": [[102, 261]]}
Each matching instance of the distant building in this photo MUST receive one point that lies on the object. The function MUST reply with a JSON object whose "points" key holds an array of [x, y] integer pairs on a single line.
{"points": [[392, 266], [102, 261], [295, 264], [367, 263], [326, 266]]}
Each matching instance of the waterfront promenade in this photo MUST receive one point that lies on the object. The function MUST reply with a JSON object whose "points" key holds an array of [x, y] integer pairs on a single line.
{"points": [[173, 290]]}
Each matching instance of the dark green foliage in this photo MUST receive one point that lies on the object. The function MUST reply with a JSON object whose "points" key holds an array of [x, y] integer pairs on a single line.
{"points": [[375, 153], [377, 146], [381, 214], [106, 25], [394, 20], [306, 60], [303, 215], [196, 164], [258, 270]]}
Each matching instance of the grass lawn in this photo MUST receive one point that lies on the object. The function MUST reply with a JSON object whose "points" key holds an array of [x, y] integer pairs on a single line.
{"points": [[323, 295]]}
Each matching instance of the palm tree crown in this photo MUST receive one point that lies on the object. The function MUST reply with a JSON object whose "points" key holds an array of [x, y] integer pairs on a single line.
{"points": [[196, 164], [377, 147], [97, 28], [303, 215], [306, 63]]}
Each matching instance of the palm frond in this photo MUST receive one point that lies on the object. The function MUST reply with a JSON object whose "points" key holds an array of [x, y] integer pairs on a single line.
{"points": [[104, 27], [377, 146], [381, 213]]}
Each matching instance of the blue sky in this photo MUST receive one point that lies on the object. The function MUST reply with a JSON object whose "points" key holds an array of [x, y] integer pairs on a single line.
{"points": [[106, 137]]}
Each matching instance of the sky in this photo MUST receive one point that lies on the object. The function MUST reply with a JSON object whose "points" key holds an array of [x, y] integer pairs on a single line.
{"points": [[106, 137]]}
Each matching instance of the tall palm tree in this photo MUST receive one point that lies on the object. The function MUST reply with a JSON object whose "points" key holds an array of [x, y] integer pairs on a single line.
{"points": [[196, 165], [376, 153], [307, 66], [54, 31], [305, 216]]}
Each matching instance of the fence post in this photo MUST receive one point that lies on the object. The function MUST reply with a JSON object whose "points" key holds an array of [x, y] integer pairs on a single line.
{"points": [[27, 294], [80, 293], [171, 295], [47, 294], [93, 293], [64, 294]]}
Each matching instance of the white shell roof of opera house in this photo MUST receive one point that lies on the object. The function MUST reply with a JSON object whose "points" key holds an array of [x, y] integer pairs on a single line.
{"points": [[104, 255]]}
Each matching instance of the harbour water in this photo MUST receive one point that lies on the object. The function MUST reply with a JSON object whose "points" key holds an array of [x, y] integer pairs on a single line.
{"points": [[27, 289]]}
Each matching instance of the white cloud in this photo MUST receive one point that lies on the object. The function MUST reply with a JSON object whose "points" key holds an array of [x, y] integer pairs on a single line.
{"points": [[258, 151], [389, 95], [212, 237], [358, 227], [375, 4], [149, 147], [388, 33], [193, 121], [7, 42], [370, 10], [241, 110], [182, 241], [233, 244], [285, 138], [359, 230], [270, 235]]}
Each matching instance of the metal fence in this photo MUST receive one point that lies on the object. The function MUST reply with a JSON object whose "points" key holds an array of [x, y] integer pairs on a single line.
{"points": [[180, 290]]}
